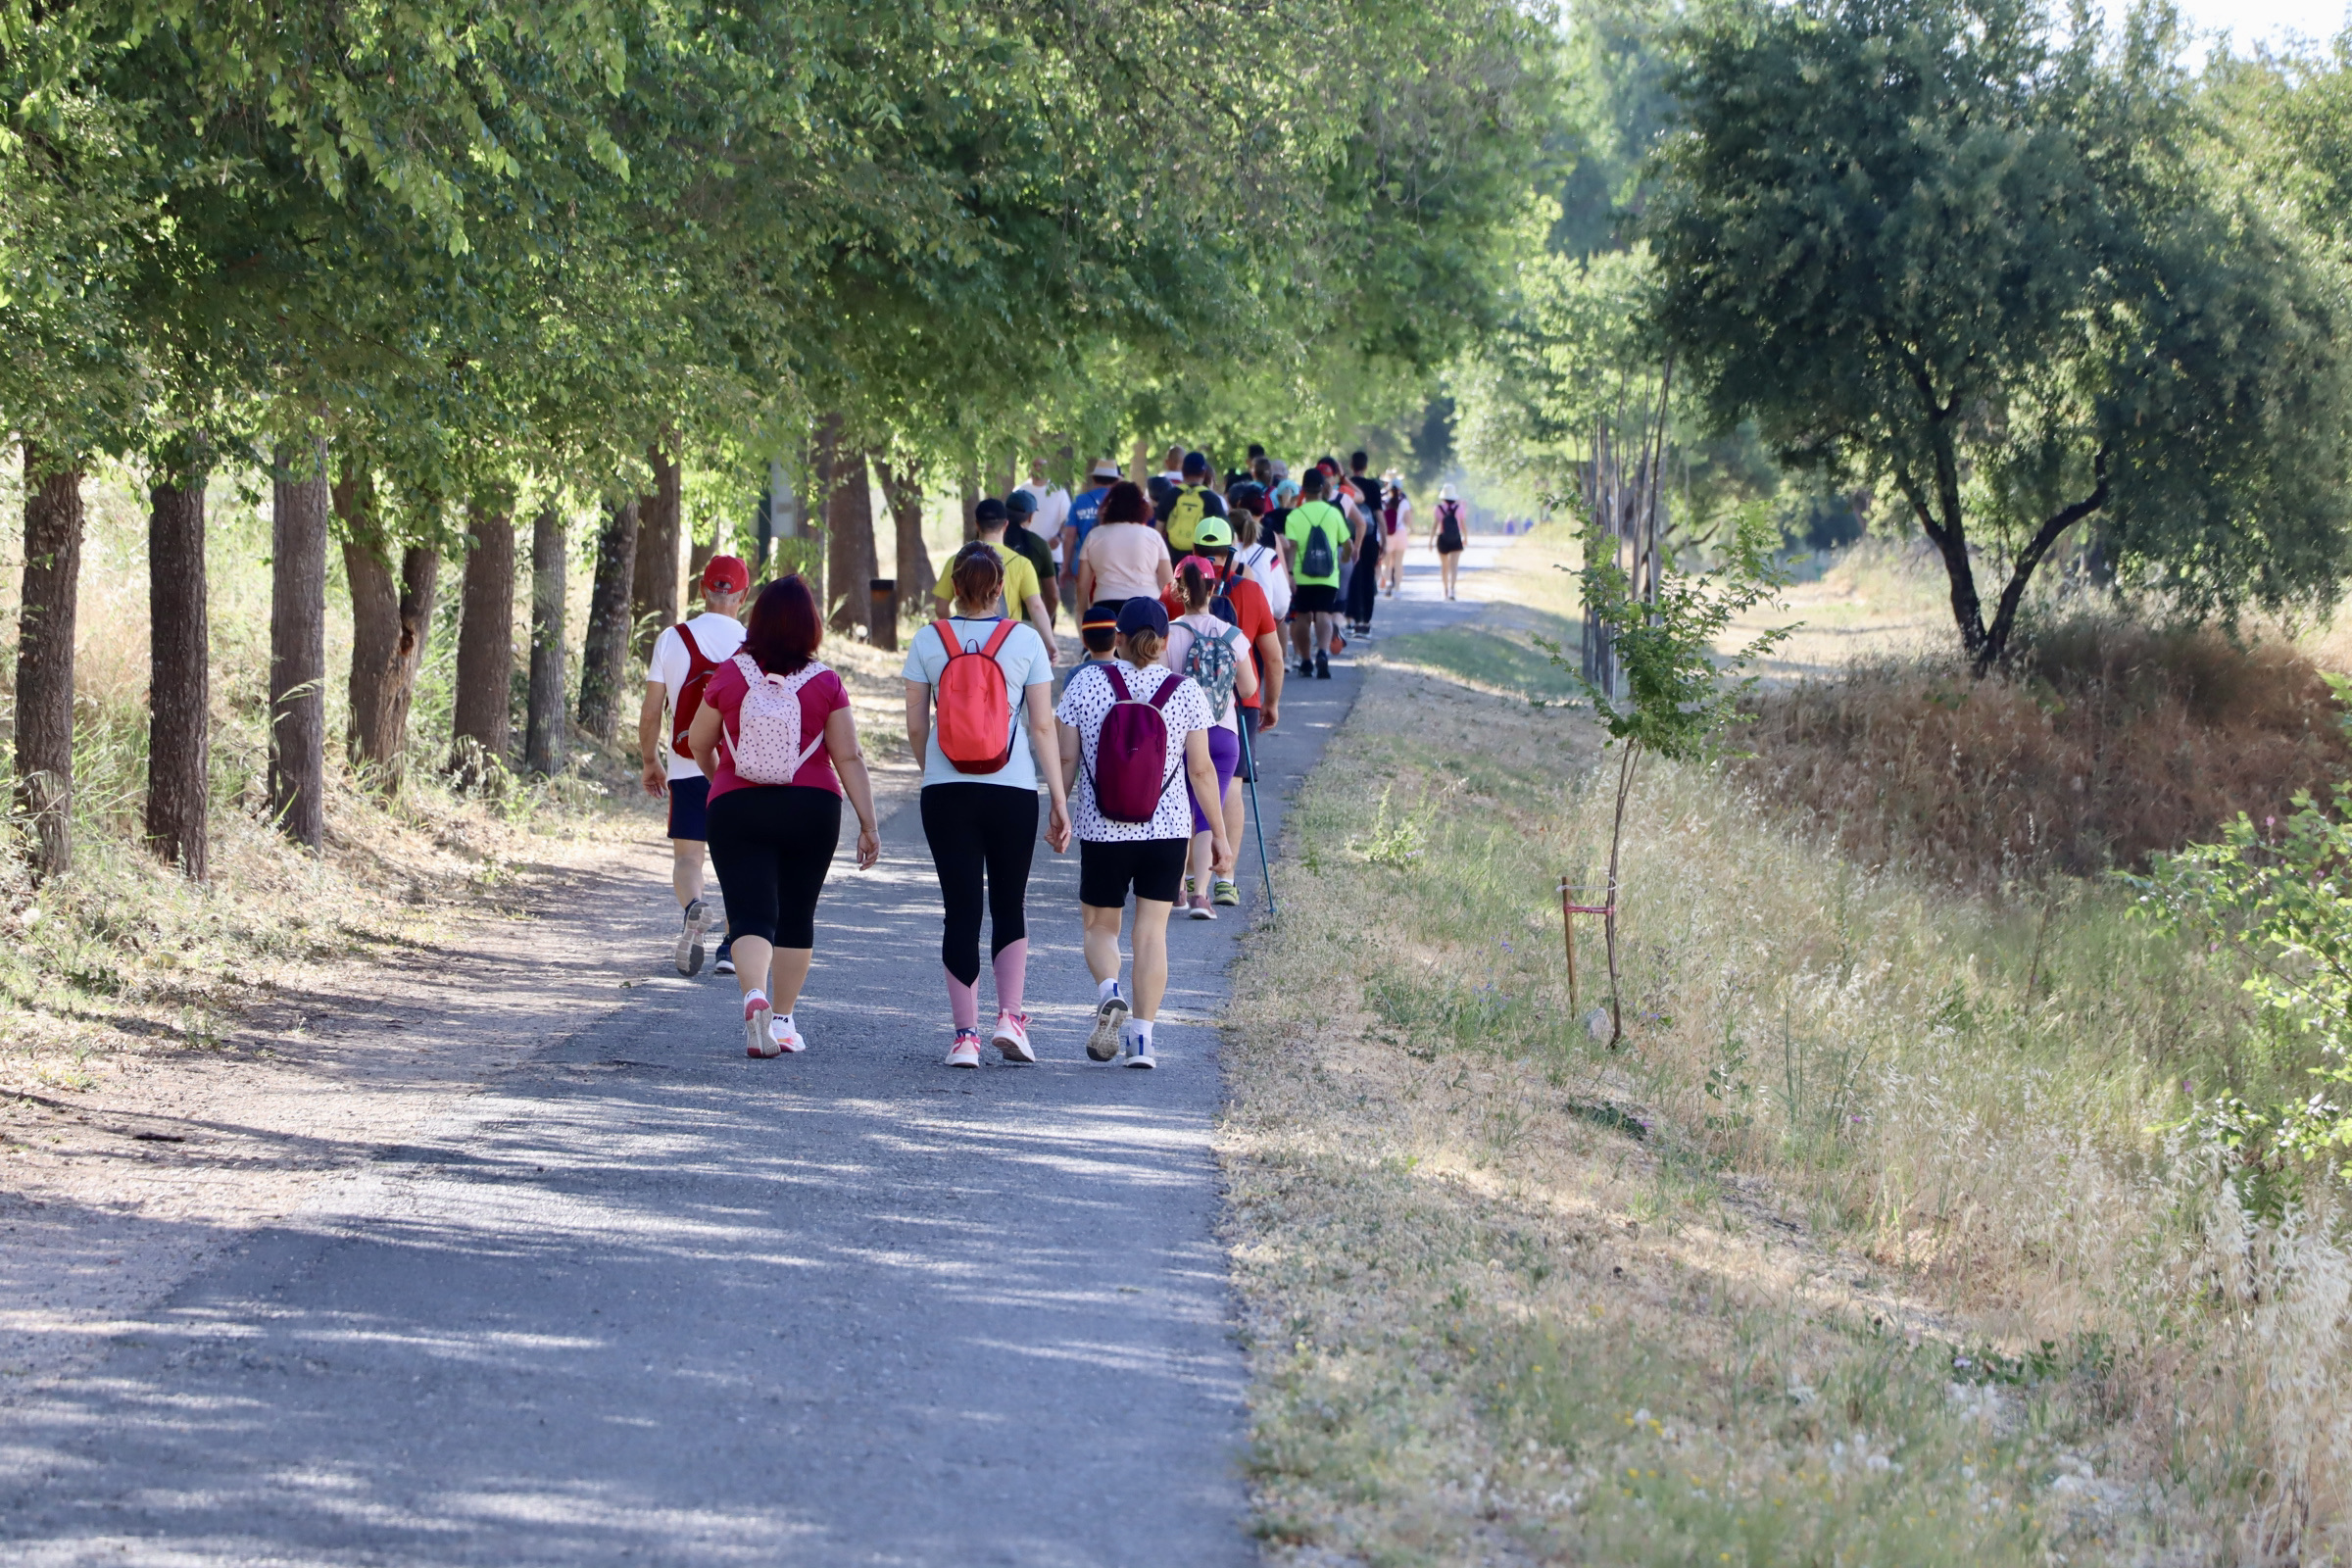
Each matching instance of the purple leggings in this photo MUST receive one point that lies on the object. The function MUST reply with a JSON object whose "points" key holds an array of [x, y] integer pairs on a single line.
{"points": [[1225, 753]]}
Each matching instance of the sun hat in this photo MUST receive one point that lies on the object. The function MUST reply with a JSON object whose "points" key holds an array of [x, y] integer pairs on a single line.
{"points": [[1104, 470], [726, 574], [1143, 615], [1212, 533], [1448, 494]]}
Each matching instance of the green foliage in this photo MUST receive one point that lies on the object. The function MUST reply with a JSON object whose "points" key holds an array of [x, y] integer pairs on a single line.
{"points": [[2006, 269], [1679, 694]]}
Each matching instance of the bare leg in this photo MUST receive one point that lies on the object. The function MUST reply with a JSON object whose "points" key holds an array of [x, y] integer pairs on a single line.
{"points": [[1236, 821], [1151, 955], [1196, 862], [786, 969], [1103, 941], [686, 869]]}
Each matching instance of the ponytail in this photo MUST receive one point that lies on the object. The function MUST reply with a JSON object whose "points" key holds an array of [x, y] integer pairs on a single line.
{"points": [[1194, 586]]}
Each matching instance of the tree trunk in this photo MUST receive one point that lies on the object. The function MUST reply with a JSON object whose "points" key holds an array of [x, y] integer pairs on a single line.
{"points": [[298, 644], [389, 622], [849, 542], [45, 659], [903, 493], [179, 689], [605, 655], [543, 724], [654, 595], [700, 550], [972, 499], [485, 640], [827, 466]]}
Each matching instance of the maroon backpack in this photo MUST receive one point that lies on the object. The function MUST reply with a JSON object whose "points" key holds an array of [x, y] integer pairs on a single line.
{"points": [[1130, 754]]}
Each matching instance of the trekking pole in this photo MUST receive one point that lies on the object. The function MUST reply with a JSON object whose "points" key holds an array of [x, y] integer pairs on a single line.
{"points": [[1265, 870]]}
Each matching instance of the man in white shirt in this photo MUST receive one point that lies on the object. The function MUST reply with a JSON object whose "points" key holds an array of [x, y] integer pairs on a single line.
{"points": [[1052, 510], [682, 659]]}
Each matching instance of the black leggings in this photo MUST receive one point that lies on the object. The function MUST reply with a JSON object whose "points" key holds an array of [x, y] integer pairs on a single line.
{"points": [[1363, 584], [971, 827], [771, 845]]}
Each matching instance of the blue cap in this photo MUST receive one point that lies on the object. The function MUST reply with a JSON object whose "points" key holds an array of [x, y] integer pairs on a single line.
{"points": [[1143, 615]]}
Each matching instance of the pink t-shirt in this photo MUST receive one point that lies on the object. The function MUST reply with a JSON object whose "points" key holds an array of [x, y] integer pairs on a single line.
{"points": [[818, 699]]}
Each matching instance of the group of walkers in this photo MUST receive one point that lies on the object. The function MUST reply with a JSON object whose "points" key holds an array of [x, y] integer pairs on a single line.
{"points": [[1143, 759]]}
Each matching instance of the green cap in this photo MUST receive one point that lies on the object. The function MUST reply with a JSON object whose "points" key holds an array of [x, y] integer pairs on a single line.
{"points": [[1212, 533]]}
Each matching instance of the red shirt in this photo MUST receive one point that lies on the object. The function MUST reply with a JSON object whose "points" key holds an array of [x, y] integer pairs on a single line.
{"points": [[1251, 613], [818, 699]]}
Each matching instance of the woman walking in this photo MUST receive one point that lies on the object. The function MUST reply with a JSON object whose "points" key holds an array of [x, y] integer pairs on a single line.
{"points": [[1398, 509], [775, 737], [991, 683], [1214, 656], [1130, 730], [1445, 536]]}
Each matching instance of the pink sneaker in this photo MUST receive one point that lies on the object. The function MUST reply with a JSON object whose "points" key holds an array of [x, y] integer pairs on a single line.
{"points": [[965, 1052], [1013, 1037]]}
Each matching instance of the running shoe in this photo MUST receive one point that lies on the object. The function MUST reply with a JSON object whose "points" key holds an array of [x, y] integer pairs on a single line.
{"points": [[965, 1052], [697, 920], [787, 1036], [1223, 891], [757, 1039], [1197, 907], [1322, 667], [1111, 1017], [1138, 1052], [1306, 669], [724, 961], [1013, 1037]]}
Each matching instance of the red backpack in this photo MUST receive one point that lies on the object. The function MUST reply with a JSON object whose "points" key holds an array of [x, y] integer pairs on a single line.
{"points": [[1131, 753], [975, 718], [690, 691]]}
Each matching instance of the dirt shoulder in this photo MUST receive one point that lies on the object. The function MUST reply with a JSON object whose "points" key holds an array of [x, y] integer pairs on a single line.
{"points": [[205, 1092]]}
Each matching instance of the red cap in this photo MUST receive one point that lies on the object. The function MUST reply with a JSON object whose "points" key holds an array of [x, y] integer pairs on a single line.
{"points": [[726, 575]]}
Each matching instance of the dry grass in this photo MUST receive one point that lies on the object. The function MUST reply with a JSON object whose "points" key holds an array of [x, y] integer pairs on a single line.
{"points": [[1896, 1159], [2102, 742]]}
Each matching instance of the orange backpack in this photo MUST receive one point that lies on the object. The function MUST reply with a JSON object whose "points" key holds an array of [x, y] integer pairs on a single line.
{"points": [[975, 718]]}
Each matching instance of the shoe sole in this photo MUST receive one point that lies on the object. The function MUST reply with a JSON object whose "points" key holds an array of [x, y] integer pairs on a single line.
{"points": [[1199, 913], [957, 1062], [1109, 1018], [757, 1042], [1144, 1062], [689, 956]]}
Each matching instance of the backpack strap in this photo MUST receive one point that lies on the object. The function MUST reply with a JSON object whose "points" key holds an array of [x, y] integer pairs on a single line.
{"points": [[995, 639], [694, 650], [1118, 682], [1167, 688]]}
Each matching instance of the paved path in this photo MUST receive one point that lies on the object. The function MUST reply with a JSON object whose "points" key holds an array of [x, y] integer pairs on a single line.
{"points": [[647, 1300]]}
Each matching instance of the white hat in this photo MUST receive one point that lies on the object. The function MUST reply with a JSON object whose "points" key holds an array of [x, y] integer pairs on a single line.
{"points": [[1448, 494], [1104, 470]]}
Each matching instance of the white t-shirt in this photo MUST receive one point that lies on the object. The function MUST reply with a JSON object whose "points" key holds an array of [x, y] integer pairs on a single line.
{"points": [[1085, 704], [718, 637], [1053, 511], [1023, 660]]}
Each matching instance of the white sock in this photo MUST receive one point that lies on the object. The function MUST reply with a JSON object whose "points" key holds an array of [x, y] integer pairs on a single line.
{"points": [[784, 1018], [1106, 990], [1140, 1029], [755, 994]]}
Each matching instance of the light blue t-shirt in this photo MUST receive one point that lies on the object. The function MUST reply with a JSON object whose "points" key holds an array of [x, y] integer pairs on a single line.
{"points": [[1025, 663]]}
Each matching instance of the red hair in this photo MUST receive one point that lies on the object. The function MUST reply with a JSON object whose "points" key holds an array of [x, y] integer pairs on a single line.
{"points": [[784, 627], [1125, 504]]}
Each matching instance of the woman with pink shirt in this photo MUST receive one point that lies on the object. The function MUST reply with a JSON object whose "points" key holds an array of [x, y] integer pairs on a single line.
{"points": [[772, 843]]}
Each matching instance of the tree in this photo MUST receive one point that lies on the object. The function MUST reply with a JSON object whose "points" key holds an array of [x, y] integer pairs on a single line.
{"points": [[543, 713], [298, 642], [485, 638], [604, 654], [389, 619], [2002, 270], [53, 518], [179, 688], [653, 585]]}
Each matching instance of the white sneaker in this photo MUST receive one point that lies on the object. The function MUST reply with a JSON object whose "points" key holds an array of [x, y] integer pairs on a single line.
{"points": [[787, 1036], [1013, 1037], [1138, 1052], [1110, 1019], [697, 920], [757, 1041], [965, 1052]]}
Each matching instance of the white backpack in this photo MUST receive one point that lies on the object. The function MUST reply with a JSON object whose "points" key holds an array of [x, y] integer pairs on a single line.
{"points": [[767, 747], [1262, 566]]}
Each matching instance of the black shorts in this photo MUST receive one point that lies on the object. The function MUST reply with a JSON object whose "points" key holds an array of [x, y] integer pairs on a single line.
{"points": [[690, 808], [771, 845], [1154, 867], [1316, 599]]}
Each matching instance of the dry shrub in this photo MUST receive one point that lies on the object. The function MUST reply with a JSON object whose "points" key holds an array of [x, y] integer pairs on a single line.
{"points": [[2102, 742]]}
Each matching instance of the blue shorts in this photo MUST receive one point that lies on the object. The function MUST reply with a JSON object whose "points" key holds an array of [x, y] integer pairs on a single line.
{"points": [[690, 809]]}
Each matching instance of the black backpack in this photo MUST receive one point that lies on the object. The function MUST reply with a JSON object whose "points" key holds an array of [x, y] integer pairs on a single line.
{"points": [[1316, 558]]}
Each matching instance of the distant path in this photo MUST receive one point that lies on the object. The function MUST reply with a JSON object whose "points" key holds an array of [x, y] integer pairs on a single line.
{"points": [[643, 1299]]}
